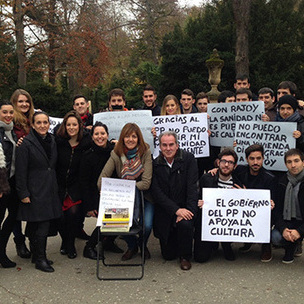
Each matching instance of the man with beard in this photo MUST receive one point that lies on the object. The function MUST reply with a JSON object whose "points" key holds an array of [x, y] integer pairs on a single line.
{"points": [[224, 178], [255, 176]]}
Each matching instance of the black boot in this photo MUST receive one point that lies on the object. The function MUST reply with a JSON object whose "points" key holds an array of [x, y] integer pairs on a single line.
{"points": [[6, 262], [41, 262], [90, 252], [22, 250]]}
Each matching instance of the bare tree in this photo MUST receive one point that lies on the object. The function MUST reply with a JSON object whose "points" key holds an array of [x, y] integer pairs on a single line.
{"points": [[18, 16], [241, 10]]}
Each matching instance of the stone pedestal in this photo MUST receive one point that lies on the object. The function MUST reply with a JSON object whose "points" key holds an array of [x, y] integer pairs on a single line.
{"points": [[214, 65]]}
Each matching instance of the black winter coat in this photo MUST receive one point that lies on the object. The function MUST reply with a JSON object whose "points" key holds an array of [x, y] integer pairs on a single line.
{"points": [[36, 179], [91, 166], [173, 188], [264, 180], [68, 166], [280, 223]]}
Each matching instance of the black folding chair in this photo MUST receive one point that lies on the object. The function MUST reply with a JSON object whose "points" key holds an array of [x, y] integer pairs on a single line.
{"points": [[136, 230]]}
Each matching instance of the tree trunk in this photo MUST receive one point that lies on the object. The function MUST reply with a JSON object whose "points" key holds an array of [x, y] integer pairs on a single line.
{"points": [[241, 10], [52, 44], [20, 46]]}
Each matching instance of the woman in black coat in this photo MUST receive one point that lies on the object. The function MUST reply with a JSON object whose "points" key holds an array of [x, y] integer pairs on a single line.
{"points": [[92, 164], [37, 189], [9, 201], [72, 142]]}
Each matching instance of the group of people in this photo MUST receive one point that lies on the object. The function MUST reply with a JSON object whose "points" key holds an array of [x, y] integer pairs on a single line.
{"points": [[53, 181]]}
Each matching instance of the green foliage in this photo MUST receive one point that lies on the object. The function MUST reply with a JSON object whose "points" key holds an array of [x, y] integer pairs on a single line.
{"points": [[276, 39], [276, 43], [47, 99], [185, 50]]}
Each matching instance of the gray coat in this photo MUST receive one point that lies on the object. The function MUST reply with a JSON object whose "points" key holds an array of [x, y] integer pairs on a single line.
{"points": [[36, 179]]}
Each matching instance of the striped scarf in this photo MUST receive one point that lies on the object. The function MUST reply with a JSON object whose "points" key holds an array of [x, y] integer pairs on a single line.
{"points": [[132, 166]]}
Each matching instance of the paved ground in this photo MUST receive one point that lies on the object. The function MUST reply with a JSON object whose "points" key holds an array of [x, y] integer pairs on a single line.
{"points": [[245, 280]]}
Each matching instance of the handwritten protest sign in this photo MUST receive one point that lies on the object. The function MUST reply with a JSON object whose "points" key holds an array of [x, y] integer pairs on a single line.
{"points": [[236, 215], [191, 129], [116, 120], [116, 193], [223, 117], [276, 138], [54, 121]]}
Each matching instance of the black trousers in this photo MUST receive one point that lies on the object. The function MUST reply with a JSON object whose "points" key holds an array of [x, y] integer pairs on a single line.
{"points": [[203, 249], [179, 243], [11, 203]]}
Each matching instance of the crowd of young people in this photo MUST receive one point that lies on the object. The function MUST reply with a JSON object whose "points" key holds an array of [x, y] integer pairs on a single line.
{"points": [[52, 181]]}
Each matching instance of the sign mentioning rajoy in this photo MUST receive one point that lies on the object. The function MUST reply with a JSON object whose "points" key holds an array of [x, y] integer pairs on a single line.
{"points": [[190, 128], [223, 117], [276, 138], [236, 215], [116, 120]]}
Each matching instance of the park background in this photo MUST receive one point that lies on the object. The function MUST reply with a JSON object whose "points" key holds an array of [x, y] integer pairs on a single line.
{"points": [[58, 48]]}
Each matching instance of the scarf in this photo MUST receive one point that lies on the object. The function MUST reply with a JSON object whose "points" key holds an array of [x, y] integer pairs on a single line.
{"points": [[295, 117], [46, 143], [8, 128], [84, 118], [132, 166], [290, 200]]}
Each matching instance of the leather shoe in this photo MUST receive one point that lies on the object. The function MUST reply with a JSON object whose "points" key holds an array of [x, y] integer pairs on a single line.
{"points": [[185, 264], [72, 255], [22, 251], [63, 249], [129, 254], [43, 265], [90, 253]]}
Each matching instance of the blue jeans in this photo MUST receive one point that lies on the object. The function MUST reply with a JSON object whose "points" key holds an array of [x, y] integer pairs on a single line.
{"points": [[277, 238], [148, 215]]}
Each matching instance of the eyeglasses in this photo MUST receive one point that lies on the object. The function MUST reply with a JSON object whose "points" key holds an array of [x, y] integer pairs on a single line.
{"points": [[229, 162]]}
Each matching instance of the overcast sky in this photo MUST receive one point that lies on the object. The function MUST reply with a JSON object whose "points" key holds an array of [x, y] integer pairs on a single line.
{"points": [[191, 2]]}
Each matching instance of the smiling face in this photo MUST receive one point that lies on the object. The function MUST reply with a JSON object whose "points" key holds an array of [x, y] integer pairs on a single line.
{"points": [[131, 141], [6, 114], [23, 104], [81, 106], [168, 147], [171, 107], [72, 126], [285, 110], [149, 98], [100, 136], [268, 100], [41, 124]]}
